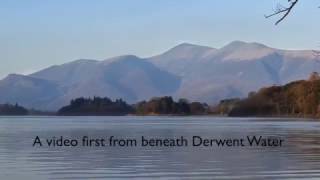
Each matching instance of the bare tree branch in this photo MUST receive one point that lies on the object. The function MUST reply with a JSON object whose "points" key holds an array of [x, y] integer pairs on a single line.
{"points": [[283, 11]]}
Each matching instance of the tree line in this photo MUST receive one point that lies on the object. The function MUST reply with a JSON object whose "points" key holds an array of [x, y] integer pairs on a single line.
{"points": [[98, 106], [8, 109], [298, 99], [156, 106], [166, 105]]}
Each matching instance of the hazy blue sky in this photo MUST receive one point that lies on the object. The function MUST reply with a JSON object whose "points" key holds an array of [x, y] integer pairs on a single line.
{"points": [[38, 33]]}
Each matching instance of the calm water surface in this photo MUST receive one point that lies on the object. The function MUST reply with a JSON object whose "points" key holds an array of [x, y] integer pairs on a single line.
{"points": [[299, 158]]}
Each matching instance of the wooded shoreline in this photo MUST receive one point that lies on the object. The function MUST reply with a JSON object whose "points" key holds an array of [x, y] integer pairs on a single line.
{"points": [[298, 99]]}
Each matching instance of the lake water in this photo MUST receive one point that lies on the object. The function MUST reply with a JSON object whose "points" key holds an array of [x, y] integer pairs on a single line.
{"points": [[298, 158]]}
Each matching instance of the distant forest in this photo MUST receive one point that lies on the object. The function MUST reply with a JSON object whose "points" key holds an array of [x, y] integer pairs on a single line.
{"points": [[96, 106], [156, 106], [8, 109], [296, 99], [166, 106]]}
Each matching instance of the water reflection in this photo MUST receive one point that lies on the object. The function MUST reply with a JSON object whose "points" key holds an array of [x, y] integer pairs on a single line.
{"points": [[298, 158]]}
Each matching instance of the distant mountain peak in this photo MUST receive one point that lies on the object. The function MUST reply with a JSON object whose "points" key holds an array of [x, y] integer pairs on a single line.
{"points": [[240, 50], [241, 44], [186, 45], [14, 76], [19, 77], [83, 61], [237, 43], [184, 51], [128, 57]]}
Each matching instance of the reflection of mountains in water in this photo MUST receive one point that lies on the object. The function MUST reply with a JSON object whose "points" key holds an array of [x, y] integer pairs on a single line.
{"points": [[187, 71]]}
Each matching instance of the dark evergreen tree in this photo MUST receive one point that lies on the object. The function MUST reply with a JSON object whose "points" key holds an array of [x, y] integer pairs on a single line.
{"points": [[8, 109]]}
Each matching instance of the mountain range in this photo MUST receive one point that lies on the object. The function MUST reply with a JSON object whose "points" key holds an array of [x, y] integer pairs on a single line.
{"points": [[198, 73]]}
